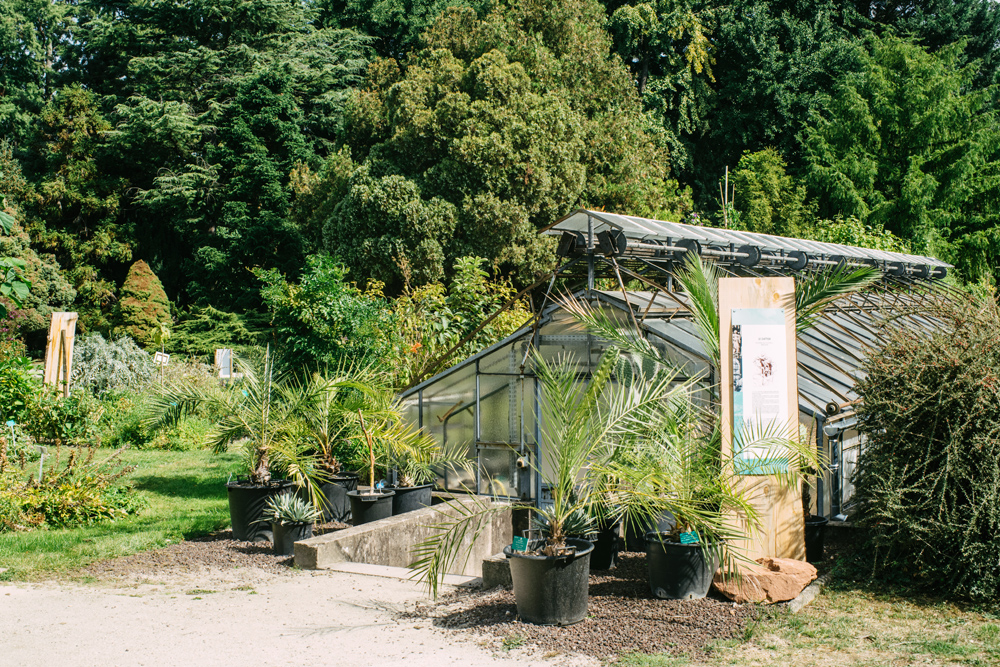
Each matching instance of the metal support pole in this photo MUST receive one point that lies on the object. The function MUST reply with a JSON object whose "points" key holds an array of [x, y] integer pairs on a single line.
{"points": [[819, 477]]}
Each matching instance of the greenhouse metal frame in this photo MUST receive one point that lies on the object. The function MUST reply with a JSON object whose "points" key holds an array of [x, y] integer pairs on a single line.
{"points": [[489, 401]]}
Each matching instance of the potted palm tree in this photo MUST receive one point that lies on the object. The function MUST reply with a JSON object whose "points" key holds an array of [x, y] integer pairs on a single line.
{"points": [[292, 519], [583, 425], [374, 503], [261, 416], [691, 478]]}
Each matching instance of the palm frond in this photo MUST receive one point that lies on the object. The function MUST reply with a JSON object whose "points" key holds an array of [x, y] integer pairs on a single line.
{"points": [[700, 280], [812, 296]]}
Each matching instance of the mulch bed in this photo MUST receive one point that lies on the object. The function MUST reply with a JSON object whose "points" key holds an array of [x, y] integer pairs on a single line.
{"points": [[623, 618], [216, 551]]}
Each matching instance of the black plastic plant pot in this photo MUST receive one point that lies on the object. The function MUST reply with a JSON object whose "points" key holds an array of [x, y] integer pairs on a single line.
{"points": [[678, 571], [634, 534], [246, 508], [368, 507], [409, 498], [606, 546], [287, 534], [815, 530], [336, 506], [552, 590]]}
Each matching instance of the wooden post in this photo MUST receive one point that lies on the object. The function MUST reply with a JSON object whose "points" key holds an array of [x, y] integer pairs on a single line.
{"points": [[782, 532], [59, 351]]}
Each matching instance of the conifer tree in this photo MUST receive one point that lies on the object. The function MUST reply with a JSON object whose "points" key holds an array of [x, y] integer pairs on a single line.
{"points": [[143, 305]]}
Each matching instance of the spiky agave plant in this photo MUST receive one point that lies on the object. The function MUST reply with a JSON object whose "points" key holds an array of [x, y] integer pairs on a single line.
{"points": [[583, 425]]}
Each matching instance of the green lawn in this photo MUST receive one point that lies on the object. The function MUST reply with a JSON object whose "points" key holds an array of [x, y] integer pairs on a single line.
{"points": [[858, 628], [187, 497]]}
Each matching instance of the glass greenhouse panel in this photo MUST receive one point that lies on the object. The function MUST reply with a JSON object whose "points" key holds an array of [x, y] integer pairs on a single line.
{"points": [[498, 472], [499, 409]]}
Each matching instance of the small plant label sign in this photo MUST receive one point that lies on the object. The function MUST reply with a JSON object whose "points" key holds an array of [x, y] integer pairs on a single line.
{"points": [[519, 544], [690, 537], [161, 359]]}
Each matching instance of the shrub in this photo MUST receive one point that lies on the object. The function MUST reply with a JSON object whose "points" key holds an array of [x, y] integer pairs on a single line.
{"points": [[81, 491], [928, 479], [101, 366], [17, 388], [187, 434], [121, 424], [59, 421], [143, 305]]}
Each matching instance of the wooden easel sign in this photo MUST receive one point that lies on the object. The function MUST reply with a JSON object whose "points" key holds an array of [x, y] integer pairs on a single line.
{"points": [[760, 396], [59, 351]]}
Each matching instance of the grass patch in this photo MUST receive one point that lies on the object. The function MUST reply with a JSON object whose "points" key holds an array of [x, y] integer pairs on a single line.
{"points": [[187, 498], [857, 627]]}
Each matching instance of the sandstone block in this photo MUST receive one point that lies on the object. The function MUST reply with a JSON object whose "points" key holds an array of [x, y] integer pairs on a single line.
{"points": [[769, 580]]}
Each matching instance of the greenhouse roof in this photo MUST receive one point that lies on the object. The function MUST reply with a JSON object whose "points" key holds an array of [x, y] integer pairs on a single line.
{"points": [[630, 236], [628, 251]]}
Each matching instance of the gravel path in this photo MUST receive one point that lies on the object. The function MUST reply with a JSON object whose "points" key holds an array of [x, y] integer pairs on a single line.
{"points": [[623, 617]]}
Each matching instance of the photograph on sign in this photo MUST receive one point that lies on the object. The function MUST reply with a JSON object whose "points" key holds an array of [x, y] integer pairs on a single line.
{"points": [[760, 387]]}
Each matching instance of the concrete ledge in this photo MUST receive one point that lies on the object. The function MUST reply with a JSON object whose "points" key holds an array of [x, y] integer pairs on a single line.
{"points": [[496, 572], [808, 594], [388, 541]]}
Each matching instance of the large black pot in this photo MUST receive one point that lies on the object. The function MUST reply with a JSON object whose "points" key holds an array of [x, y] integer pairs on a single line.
{"points": [[634, 534], [409, 498], [367, 507], [552, 590], [246, 508], [815, 530], [336, 506], [287, 534], [678, 571]]}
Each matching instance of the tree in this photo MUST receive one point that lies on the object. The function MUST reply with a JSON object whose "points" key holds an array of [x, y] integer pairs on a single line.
{"points": [[909, 146], [323, 320], [498, 126], [143, 305], [768, 199]]}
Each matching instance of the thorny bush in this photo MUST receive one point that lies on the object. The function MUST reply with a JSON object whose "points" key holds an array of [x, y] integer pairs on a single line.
{"points": [[75, 492], [928, 479]]}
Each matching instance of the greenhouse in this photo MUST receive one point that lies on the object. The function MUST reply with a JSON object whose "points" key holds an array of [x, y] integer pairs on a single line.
{"points": [[626, 265]]}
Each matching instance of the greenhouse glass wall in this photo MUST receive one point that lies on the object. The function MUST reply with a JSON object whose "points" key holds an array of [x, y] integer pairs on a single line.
{"points": [[487, 403]]}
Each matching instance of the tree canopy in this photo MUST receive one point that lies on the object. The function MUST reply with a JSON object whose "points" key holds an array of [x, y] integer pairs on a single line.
{"points": [[217, 140]]}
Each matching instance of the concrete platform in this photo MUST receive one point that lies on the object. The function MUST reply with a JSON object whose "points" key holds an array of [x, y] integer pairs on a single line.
{"points": [[388, 542]]}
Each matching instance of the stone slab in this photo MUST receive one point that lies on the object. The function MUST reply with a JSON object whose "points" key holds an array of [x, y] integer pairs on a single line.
{"points": [[810, 593], [388, 541], [496, 572]]}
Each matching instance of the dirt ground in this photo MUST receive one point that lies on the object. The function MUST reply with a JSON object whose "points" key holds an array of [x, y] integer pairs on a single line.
{"points": [[209, 601]]}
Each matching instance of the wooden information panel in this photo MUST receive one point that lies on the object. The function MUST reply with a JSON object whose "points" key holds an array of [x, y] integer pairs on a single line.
{"points": [[764, 381], [59, 351]]}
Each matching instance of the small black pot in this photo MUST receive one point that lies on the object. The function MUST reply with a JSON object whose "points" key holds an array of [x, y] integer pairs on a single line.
{"points": [[815, 530], [606, 543], [409, 498], [368, 507], [287, 534], [552, 590], [678, 571], [246, 507], [336, 506]]}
